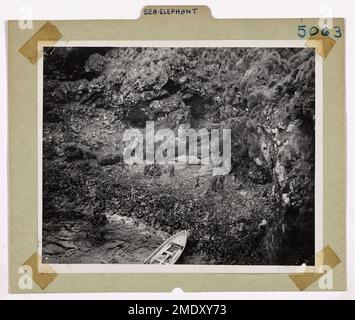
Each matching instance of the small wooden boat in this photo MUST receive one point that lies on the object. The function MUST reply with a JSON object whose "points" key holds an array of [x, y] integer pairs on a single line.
{"points": [[170, 250]]}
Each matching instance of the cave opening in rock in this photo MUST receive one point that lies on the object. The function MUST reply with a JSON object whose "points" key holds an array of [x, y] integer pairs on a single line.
{"points": [[136, 117], [171, 86], [198, 109]]}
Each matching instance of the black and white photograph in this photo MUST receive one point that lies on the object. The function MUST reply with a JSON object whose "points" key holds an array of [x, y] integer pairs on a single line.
{"points": [[178, 155]]}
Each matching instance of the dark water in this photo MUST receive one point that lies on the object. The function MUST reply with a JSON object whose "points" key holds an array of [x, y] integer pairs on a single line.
{"points": [[122, 240]]}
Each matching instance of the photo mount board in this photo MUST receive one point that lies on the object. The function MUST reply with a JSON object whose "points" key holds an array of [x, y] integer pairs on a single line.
{"points": [[199, 26]]}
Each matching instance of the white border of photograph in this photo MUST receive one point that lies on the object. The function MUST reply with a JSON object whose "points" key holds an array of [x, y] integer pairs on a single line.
{"points": [[143, 268]]}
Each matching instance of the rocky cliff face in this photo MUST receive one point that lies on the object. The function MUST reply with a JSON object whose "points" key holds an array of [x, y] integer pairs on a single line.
{"points": [[265, 95]]}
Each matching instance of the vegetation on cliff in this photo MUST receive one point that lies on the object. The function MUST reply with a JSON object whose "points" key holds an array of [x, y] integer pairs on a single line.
{"points": [[265, 95]]}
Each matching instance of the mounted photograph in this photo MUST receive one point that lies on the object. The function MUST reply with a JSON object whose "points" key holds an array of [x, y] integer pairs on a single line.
{"points": [[179, 155]]}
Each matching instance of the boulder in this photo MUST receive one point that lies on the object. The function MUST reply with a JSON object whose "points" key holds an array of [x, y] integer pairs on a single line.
{"points": [[73, 152], [109, 158], [52, 249], [89, 154], [95, 64], [49, 151], [259, 176]]}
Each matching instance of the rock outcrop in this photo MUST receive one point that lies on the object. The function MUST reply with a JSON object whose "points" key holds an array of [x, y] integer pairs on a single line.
{"points": [[265, 95]]}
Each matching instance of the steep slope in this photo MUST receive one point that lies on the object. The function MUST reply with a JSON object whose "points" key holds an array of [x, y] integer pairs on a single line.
{"points": [[265, 95]]}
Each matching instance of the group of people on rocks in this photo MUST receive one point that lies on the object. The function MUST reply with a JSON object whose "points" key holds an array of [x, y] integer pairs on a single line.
{"points": [[217, 182], [156, 170]]}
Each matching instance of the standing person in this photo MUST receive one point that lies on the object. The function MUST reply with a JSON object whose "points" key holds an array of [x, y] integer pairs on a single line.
{"points": [[122, 162], [152, 169], [147, 169], [221, 181], [171, 170], [214, 183], [197, 180], [219, 104]]}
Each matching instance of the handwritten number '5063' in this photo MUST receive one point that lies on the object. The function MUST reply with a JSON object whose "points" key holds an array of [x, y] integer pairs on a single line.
{"points": [[312, 31]]}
